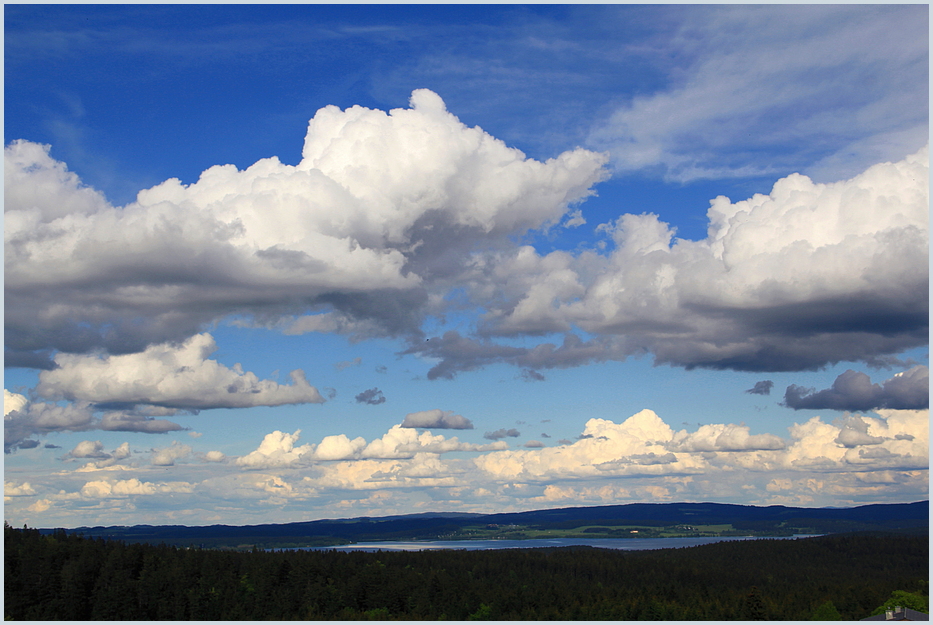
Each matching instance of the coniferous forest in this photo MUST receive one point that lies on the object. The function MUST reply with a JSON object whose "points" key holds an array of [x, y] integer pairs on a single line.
{"points": [[68, 577]]}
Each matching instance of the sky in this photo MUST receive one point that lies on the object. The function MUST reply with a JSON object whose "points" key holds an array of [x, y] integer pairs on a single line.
{"points": [[274, 264]]}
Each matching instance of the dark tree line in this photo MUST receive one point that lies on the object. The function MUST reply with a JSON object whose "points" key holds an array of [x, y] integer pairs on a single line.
{"points": [[69, 577]]}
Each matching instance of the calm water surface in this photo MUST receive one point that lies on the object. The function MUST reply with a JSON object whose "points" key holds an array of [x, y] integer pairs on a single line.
{"points": [[628, 544]]}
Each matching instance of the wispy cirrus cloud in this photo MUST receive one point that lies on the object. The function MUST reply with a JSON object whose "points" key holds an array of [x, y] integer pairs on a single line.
{"points": [[813, 463], [732, 101]]}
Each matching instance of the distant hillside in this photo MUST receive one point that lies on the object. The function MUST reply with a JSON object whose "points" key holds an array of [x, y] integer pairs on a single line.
{"points": [[651, 519]]}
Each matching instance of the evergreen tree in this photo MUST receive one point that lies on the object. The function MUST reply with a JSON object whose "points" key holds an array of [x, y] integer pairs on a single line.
{"points": [[754, 609], [826, 612]]}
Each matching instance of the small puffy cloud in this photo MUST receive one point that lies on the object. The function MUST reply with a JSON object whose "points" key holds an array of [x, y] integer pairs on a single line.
{"points": [[854, 432], [533, 445], [372, 396], [215, 456], [436, 419], [12, 402], [402, 441], [574, 219], [102, 461], [277, 449], [11, 489], [339, 447], [40, 506], [340, 366], [121, 452], [854, 390], [761, 388], [88, 449], [501, 433], [530, 375], [170, 376], [167, 456], [105, 489], [722, 437]]}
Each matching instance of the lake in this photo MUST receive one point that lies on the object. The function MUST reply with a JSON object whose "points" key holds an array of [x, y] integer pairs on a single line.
{"points": [[628, 544]]}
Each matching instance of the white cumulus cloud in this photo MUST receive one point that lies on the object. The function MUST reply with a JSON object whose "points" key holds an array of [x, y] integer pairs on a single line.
{"points": [[88, 449], [167, 456], [724, 437], [276, 449], [12, 489], [12, 402], [177, 376]]}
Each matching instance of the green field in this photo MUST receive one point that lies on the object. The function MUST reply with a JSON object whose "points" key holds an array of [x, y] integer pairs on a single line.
{"points": [[521, 532]]}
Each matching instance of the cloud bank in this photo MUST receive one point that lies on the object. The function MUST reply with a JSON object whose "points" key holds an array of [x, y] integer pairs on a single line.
{"points": [[852, 459]]}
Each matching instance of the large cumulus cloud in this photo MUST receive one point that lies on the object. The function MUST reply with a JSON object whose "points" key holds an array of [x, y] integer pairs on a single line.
{"points": [[808, 275], [388, 213], [381, 207]]}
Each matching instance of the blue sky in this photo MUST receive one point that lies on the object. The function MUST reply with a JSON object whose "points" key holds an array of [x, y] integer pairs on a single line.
{"points": [[276, 264]]}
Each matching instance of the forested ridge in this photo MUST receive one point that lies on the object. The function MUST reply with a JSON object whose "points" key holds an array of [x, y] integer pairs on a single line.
{"points": [[650, 519], [70, 577]]}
